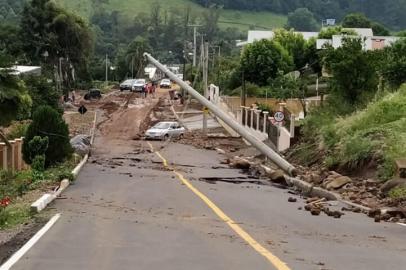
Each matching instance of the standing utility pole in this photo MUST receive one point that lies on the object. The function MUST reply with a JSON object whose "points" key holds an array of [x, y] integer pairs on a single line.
{"points": [[243, 92], [107, 70], [132, 67], [194, 42], [205, 81]]}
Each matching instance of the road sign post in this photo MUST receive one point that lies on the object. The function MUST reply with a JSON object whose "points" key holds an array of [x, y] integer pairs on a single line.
{"points": [[82, 110]]}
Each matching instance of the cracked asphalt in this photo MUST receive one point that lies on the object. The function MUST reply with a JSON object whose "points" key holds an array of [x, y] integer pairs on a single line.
{"points": [[127, 211]]}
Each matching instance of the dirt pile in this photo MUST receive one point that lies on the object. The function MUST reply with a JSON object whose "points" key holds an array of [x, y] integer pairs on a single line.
{"points": [[124, 113]]}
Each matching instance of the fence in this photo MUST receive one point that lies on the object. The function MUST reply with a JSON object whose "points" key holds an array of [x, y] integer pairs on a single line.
{"points": [[293, 105], [11, 157]]}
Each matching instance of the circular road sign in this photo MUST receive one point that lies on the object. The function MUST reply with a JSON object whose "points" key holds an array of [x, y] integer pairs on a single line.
{"points": [[279, 116]]}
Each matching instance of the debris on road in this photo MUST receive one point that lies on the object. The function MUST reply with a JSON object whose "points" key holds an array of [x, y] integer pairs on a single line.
{"points": [[81, 144]]}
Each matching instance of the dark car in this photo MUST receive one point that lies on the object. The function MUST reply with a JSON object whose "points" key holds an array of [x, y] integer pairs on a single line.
{"points": [[93, 94]]}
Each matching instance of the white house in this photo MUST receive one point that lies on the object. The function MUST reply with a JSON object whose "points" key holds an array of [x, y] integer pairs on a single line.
{"points": [[370, 42], [25, 70], [260, 35]]}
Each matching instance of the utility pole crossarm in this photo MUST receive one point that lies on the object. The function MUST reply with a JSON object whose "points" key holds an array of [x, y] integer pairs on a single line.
{"points": [[262, 147]]}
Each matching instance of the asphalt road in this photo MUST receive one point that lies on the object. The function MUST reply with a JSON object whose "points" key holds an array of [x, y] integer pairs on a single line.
{"points": [[127, 211]]}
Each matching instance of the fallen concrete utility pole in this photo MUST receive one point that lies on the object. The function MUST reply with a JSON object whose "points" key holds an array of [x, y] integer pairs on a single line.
{"points": [[262, 147]]}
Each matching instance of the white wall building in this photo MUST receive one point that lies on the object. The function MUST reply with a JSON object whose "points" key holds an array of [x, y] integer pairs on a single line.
{"points": [[260, 35], [25, 70], [370, 42]]}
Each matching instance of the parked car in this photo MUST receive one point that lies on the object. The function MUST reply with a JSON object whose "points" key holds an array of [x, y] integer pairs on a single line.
{"points": [[165, 83], [165, 130], [139, 85], [93, 94], [127, 85]]}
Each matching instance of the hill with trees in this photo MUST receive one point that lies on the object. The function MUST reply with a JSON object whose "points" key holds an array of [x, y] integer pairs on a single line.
{"points": [[389, 12]]}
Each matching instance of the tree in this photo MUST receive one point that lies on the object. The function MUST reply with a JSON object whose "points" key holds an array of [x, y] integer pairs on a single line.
{"points": [[354, 74], [329, 32], [356, 20], [47, 122], [295, 44], [42, 92], [15, 103], [394, 67], [289, 86], [379, 29], [135, 55], [10, 42], [49, 29], [302, 20], [210, 21], [263, 60]]}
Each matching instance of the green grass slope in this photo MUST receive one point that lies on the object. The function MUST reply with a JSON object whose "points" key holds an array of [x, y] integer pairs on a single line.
{"points": [[376, 133], [239, 19]]}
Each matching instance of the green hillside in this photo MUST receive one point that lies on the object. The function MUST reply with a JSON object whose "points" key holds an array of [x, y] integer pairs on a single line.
{"points": [[240, 19]]}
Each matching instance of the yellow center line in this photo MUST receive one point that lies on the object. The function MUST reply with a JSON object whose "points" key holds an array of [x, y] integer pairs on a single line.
{"points": [[275, 261]]}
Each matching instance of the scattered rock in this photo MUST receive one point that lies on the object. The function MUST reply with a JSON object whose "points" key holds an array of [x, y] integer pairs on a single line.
{"points": [[277, 176], [292, 200], [338, 182], [240, 164], [388, 186], [315, 211]]}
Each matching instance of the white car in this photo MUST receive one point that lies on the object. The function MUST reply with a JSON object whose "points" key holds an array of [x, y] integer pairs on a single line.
{"points": [[165, 83], [139, 85], [164, 131]]}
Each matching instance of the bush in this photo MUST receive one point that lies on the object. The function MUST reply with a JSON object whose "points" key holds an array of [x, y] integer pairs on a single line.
{"points": [[17, 130], [38, 163], [48, 122], [37, 147]]}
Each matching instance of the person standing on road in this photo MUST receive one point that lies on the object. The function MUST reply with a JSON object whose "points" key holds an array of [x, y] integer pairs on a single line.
{"points": [[144, 91], [153, 89]]}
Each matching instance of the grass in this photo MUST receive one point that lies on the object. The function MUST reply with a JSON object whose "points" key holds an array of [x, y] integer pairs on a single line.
{"points": [[25, 187], [242, 20], [374, 135], [398, 193]]}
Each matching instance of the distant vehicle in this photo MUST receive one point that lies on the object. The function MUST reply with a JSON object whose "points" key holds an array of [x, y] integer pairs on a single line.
{"points": [[165, 83], [139, 85], [165, 130], [127, 85], [93, 94]]}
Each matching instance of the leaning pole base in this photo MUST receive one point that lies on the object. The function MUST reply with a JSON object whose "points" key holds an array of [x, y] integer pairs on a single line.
{"points": [[237, 127]]}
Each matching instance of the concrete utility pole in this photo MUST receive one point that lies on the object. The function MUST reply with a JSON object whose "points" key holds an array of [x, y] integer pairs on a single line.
{"points": [[195, 26], [205, 81], [60, 73], [243, 91], [237, 127], [107, 70], [132, 67]]}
